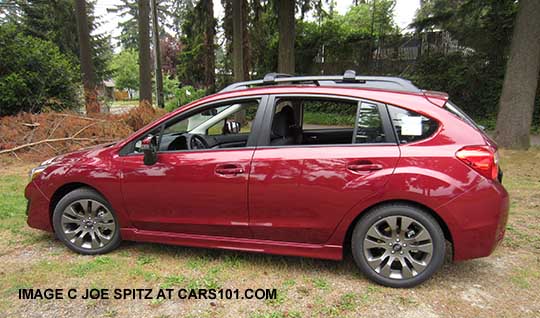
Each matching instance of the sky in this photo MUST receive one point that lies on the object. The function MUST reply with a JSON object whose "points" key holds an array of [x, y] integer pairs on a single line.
{"points": [[403, 13]]}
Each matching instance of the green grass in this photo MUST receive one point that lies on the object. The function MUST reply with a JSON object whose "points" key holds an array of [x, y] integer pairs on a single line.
{"points": [[328, 119], [13, 203], [122, 103]]}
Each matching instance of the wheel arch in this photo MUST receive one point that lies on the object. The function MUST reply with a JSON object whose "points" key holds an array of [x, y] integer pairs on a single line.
{"points": [[63, 191], [433, 213]]}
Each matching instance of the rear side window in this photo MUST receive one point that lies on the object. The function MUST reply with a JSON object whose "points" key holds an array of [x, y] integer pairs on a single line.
{"points": [[411, 126]]}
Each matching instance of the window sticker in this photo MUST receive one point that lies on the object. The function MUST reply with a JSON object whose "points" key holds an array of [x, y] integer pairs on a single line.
{"points": [[411, 126]]}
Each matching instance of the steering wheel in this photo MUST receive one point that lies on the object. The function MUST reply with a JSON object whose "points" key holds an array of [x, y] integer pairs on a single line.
{"points": [[195, 142]]}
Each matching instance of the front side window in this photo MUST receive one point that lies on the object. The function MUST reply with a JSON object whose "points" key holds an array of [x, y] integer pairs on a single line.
{"points": [[221, 126], [411, 126]]}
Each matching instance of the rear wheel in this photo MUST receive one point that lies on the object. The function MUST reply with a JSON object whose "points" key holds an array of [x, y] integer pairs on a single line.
{"points": [[398, 245], [85, 222]]}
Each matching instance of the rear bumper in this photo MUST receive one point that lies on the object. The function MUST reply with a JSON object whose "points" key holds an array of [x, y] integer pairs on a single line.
{"points": [[37, 208], [479, 220]]}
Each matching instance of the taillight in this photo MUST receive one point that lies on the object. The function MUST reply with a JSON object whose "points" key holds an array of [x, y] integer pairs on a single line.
{"points": [[483, 159]]}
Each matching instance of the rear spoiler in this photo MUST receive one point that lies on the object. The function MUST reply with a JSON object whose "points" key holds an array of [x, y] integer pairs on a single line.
{"points": [[436, 98]]}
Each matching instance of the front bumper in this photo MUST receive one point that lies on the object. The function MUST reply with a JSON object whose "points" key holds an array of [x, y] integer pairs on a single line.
{"points": [[37, 208]]}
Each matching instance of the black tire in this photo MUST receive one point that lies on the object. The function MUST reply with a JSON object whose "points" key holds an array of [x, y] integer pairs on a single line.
{"points": [[399, 210], [73, 197]]}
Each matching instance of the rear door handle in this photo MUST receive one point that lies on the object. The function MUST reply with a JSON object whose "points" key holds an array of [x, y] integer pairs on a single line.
{"points": [[364, 166], [229, 169]]}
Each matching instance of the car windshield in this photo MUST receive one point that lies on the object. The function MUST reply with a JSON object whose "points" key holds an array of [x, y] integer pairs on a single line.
{"points": [[192, 122]]}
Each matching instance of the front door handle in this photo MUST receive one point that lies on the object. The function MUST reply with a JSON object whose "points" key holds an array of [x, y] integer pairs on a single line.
{"points": [[229, 169], [367, 166]]}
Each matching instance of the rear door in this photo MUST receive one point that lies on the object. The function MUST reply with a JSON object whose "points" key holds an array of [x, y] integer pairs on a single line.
{"points": [[300, 192]]}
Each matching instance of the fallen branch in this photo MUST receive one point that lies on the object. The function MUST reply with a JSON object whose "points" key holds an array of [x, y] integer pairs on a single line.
{"points": [[47, 141], [79, 117]]}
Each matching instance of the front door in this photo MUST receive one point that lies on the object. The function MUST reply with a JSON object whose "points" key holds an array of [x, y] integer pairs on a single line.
{"points": [[199, 184]]}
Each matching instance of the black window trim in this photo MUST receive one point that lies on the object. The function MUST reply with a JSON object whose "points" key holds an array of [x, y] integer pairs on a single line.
{"points": [[128, 149], [265, 131]]}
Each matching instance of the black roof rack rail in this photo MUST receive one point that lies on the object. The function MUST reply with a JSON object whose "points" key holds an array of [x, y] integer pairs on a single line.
{"points": [[348, 79]]}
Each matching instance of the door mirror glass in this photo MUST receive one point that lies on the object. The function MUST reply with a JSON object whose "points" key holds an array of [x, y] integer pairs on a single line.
{"points": [[149, 147]]}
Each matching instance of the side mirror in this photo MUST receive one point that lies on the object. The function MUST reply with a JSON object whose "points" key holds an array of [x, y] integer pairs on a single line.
{"points": [[149, 147], [231, 127]]}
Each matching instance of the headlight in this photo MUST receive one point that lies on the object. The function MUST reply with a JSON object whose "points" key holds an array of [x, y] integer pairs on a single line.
{"points": [[36, 171], [39, 169]]}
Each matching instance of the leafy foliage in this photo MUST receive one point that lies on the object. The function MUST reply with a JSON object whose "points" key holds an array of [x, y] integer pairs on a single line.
{"points": [[180, 96], [34, 74], [124, 66], [55, 21], [472, 84]]}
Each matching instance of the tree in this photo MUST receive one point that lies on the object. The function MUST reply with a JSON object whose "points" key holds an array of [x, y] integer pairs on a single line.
{"points": [[520, 82], [124, 66], [197, 60], [286, 36], [87, 67], [34, 74], [209, 26], [157, 56], [170, 49], [128, 10], [239, 40], [145, 74], [56, 21]]}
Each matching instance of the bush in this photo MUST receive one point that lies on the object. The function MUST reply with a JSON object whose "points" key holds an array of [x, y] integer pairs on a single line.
{"points": [[180, 96], [34, 74], [472, 83]]}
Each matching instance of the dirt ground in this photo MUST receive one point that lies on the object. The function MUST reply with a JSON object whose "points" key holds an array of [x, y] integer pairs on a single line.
{"points": [[506, 284]]}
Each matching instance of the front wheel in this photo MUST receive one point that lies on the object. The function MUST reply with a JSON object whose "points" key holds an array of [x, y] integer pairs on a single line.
{"points": [[85, 222], [398, 245]]}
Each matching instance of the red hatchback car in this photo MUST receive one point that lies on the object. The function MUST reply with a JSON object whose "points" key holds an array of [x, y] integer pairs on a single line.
{"points": [[307, 166]]}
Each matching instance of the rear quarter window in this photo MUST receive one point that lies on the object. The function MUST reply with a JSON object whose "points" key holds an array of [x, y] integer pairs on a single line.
{"points": [[411, 126]]}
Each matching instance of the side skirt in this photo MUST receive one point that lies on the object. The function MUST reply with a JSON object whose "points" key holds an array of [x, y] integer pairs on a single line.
{"points": [[333, 252]]}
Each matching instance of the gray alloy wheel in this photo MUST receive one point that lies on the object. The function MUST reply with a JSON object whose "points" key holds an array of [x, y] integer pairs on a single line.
{"points": [[398, 247], [86, 223], [398, 244]]}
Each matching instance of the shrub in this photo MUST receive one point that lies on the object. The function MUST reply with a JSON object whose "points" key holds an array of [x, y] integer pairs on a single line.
{"points": [[34, 74]]}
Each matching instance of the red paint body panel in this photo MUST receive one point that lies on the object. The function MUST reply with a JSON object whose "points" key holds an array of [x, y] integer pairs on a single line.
{"points": [[297, 200], [183, 193], [301, 194]]}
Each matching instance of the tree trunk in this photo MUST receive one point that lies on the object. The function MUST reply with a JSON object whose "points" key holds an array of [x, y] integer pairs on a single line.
{"points": [[239, 40], [85, 53], [520, 82], [145, 74], [209, 53], [239, 54], [286, 36], [157, 52]]}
